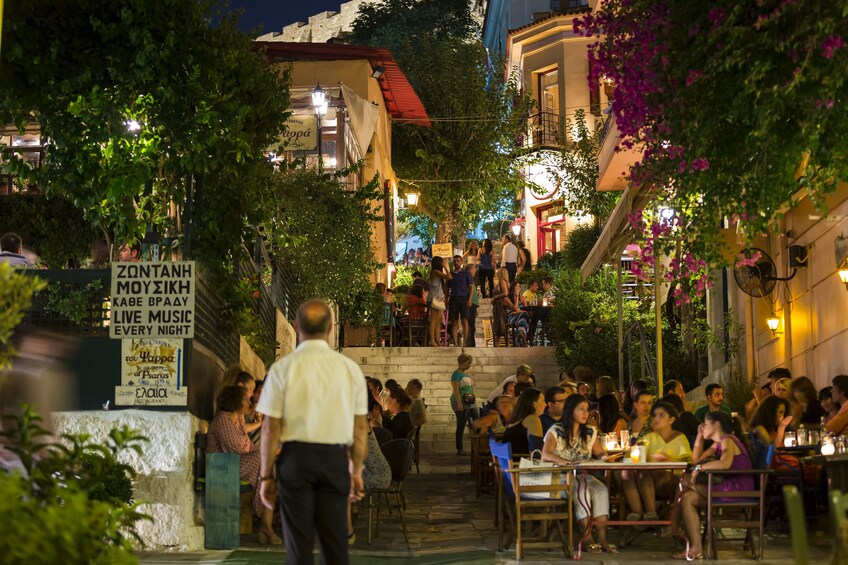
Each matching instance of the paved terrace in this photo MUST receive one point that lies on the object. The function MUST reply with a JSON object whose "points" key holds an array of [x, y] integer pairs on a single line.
{"points": [[448, 524]]}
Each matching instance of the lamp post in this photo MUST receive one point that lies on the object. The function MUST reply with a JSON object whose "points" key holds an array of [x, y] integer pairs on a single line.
{"points": [[320, 102]]}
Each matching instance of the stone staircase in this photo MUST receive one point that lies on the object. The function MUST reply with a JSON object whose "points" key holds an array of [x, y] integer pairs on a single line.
{"points": [[433, 367]]}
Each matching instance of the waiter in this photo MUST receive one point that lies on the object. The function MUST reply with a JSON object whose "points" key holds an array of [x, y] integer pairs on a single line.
{"points": [[315, 404], [509, 257]]}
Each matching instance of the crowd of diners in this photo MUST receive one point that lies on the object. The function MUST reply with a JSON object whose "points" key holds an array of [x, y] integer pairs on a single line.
{"points": [[565, 422], [236, 428]]}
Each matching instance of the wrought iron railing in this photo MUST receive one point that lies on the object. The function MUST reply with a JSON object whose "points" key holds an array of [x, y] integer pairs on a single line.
{"points": [[607, 127], [544, 130]]}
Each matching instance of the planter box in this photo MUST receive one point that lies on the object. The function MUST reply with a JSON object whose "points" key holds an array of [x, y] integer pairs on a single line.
{"points": [[358, 336]]}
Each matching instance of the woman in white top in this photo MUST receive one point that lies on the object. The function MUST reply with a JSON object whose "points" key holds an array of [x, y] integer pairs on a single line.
{"points": [[472, 256], [573, 441]]}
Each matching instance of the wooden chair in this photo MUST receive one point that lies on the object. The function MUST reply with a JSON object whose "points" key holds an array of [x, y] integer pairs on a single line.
{"points": [[737, 509], [488, 333], [387, 329], [520, 509], [414, 326], [839, 518], [383, 435], [481, 464]]}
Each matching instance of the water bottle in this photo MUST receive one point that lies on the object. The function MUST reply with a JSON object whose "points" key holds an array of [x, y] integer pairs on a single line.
{"points": [[822, 431], [802, 435]]}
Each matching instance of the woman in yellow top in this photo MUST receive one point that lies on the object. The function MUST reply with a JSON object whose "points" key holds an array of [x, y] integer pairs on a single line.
{"points": [[664, 443]]}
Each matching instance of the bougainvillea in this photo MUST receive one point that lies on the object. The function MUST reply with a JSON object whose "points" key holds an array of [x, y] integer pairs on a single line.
{"points": [[738, 109]]}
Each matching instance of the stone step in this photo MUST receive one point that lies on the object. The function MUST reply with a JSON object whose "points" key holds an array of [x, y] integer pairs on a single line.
{"points": [[434, 365]]}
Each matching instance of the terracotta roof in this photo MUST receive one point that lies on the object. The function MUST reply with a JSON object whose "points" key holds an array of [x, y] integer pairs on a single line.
{"points": [[401, 100], [550, 16]]}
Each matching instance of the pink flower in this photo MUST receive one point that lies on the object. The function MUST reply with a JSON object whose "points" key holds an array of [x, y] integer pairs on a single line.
{"points": [[830, 45], [692, 77], [682, 168]]}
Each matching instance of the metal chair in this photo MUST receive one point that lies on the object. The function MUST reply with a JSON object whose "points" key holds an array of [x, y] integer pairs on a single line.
{"points": [[414, 436], [398, 453], [383, 435], [521, 509]]}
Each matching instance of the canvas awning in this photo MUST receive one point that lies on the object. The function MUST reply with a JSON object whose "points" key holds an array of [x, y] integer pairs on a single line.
{"points": [[363, 117], [615, 235]]}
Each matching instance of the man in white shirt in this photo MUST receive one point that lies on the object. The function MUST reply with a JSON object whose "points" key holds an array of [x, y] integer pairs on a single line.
{"points": [[315, 404], [509, 257]]}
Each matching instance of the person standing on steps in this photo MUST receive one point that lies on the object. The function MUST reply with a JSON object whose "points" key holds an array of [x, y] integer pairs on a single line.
{"points": [[315, 403], [436, 300], [470, 341], [463, 401], [487, 269], [509, 257]]}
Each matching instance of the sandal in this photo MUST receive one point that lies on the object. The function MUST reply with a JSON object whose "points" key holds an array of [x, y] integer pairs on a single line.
{"points": [[687, 555], [609, 548], [594, 548]]}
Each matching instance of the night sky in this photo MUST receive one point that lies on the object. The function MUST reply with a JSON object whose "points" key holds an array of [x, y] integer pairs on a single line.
{"points": [[273, 15]]}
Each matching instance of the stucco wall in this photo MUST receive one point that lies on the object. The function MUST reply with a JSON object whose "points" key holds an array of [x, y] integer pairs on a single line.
{"points": [[812, 307]]}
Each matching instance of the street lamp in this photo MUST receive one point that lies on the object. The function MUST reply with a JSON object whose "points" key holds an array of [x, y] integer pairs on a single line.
{"points": [[320, 102], [412, 198]]}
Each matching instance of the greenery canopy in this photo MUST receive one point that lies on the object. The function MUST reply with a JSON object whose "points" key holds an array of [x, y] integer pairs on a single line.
{"points": [[463, 167]]}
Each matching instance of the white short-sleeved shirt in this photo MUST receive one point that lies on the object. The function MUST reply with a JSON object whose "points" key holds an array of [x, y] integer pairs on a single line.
{"points": [[316, 392]]}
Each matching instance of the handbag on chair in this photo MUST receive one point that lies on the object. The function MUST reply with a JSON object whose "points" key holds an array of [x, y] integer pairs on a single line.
{"points": [[544, 478]]}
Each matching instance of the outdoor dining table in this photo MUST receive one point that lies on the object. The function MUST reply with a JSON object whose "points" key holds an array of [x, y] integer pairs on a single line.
{"points": [[626, 465], [836, 467]]}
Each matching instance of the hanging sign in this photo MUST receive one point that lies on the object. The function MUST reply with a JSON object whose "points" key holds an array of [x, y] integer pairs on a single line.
{"points": [[153, 300], [151, 373], [299, 135], [443, 250]]}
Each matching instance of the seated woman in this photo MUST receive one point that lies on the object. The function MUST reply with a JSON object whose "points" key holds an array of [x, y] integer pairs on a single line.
{"points": [[376, 473], [804, 393], [770, 420], [227, 435], [524, 431], [612, 420], [664, 443], [253, 421], [416, 302], [572, 441], [496, 420], [399, 406], [641, 424], [727, 452], [516, 317], [830, 407]]}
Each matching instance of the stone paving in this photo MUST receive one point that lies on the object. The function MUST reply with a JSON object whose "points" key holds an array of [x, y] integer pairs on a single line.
{"points": [[447, 523]]}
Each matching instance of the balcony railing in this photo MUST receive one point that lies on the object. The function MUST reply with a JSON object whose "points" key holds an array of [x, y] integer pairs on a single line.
{"points": [[544, 130]]}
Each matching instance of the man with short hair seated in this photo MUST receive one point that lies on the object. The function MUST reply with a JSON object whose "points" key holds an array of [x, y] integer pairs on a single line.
{"points": [[496, 420]]}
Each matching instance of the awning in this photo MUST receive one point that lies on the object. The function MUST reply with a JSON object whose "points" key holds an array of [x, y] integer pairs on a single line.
{"points": [[615, 235], [363, 117]]}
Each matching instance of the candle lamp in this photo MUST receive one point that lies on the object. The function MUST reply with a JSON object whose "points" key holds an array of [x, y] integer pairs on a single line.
{"points": [[635, 453], [828, 447]]}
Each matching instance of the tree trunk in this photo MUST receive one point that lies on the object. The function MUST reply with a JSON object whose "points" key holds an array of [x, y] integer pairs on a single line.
{"points": [[445, 229]]}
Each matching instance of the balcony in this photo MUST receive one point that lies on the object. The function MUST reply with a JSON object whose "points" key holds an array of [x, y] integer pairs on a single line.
{"points": [[544, 131], [614, 161]]}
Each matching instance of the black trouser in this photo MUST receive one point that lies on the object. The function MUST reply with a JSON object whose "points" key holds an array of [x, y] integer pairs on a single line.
{"points": [[472, 319], [313, 481], [486, 275], [511, 268]]}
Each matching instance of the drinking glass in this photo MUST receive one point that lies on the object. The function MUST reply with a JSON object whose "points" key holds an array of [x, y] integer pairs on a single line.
{"points": [[625, 439]]}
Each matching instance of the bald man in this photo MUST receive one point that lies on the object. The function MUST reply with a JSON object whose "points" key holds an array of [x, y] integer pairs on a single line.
{"points": [[315, 404]]}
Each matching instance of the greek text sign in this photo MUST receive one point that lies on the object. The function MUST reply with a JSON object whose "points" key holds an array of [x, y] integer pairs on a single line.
{"points": [[299, 135], [153, 300], [151, 373]]}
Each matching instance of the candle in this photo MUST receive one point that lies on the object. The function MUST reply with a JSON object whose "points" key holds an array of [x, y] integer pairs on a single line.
{"points": [[828, 449], [544, 302], [635, 453], [611, 445]]}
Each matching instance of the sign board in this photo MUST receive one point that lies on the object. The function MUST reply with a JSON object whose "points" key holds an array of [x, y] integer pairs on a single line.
{"points": [[153, 300], [151, 373], [299, 135], [443, 250]]}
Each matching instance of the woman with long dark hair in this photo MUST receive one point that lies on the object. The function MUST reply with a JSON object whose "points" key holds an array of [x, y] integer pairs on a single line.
{"points": [[524, 431], [728, 451], [572, 441], [487, 269], [516, 317], [804, 393], [612, 420], [771, 419]]}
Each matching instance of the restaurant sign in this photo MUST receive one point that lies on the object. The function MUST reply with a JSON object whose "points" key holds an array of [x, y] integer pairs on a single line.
{"points": [[153, 300], [443, 250], [299, 135], [152, 373]]}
